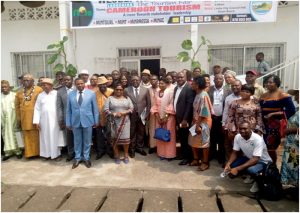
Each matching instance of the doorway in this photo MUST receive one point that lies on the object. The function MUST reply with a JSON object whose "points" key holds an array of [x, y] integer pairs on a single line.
{"points": [[151, 64]]}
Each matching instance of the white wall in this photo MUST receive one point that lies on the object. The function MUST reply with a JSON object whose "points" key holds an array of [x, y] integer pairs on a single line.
{"points": [[103, 42], [24, 36], [90, 44]]}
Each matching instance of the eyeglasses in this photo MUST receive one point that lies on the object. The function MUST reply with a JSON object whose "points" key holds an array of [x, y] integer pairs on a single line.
{"points": [[119, 89]]}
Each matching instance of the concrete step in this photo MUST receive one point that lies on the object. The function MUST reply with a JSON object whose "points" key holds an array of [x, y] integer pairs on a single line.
{"points": [[24, 198]]}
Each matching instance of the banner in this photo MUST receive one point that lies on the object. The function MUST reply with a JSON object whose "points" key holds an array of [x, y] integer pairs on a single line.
{"points": [[148, 13]]}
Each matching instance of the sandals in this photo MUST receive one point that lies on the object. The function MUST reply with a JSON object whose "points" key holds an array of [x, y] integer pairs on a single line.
{"points": [[195, 162], [117, 161], [126, 160], [203, 166]]}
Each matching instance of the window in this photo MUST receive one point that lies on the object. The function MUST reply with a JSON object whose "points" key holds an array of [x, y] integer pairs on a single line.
{"points": [[241, 58], [136, 52], [34, 63]]}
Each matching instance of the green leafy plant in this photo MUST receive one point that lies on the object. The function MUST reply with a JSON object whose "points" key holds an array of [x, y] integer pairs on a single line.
{"points": [[66, 67], [184, 56]]}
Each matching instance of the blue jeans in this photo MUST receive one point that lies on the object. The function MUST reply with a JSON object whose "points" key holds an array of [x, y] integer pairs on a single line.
{"points": [[252, 170], [82, 143]]}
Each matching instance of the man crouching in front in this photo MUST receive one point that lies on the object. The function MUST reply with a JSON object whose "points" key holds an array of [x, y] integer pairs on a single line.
{"points": [[255, 155]]}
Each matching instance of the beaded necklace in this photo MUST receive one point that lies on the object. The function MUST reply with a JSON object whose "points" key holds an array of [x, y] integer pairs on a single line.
{"points": [[161, 94], [28, 97]]}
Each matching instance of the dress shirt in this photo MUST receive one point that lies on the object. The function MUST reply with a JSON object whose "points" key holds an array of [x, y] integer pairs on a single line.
{"points": [[218, 101], [69, 90], [77, 94], [263, 67], [228, 101], [134, 91], [178, 91]]}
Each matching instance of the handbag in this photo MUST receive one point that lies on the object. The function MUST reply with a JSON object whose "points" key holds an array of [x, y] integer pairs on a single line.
{"points": [[283, 125], [162, 134]]}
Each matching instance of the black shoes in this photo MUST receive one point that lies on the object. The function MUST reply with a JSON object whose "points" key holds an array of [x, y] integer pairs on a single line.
{"points": [[99, 156], [141, 151], [131, 154], [151, 150], [5, 158], [88, 163], [69, 158], [75, 164], [183, 162]]}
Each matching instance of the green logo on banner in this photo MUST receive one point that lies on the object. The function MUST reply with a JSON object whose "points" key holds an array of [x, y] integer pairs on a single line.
{"points": [[82, 11]]}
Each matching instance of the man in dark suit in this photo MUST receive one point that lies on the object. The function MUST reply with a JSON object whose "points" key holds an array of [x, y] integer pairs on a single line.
{"points": [[183, 105], [82, 116], [140, 98], [217, 94], [61, 106]]}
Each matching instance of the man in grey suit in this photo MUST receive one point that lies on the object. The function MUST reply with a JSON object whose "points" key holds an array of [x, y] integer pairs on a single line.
{"points": [[61, 106], [140, 98], [217, 94]]}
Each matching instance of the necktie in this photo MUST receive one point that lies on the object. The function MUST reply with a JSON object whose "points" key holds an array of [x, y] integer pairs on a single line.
{"points": [[80, 98], [136, 92]]}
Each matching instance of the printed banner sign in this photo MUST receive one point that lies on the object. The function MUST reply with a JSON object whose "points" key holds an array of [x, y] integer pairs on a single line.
{"points": [[86, 14]]}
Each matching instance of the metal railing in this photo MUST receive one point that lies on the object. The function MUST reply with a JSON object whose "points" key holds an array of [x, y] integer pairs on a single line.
{"points": [[288, 73]]}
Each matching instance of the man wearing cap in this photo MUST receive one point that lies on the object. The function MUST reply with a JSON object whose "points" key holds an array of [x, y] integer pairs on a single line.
{"points": [[251, 77], [45, 118], [24, 103], [84, 75], [146, 74], [102, 144], [140, 98], [61, 106]]}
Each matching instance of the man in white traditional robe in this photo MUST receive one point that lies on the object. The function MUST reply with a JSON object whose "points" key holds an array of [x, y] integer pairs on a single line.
{"points": [[51, 137]]}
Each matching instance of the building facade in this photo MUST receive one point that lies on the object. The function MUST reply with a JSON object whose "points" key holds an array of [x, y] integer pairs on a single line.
{"points": [[26, 33]]}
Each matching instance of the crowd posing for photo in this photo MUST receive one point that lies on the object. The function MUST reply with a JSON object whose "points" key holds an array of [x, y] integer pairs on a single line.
{"points": [[123, 114]]}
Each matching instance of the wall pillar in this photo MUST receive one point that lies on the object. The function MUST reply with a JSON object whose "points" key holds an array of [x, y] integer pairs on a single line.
{"points": [[65, 30]]}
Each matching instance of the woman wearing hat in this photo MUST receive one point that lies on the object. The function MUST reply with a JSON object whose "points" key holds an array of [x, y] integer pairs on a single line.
{"points": [[290, 158]]}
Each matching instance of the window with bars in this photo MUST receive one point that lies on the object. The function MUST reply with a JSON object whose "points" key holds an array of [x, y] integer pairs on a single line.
{"points": [[137, 52], [241, 58], [34, 63]]}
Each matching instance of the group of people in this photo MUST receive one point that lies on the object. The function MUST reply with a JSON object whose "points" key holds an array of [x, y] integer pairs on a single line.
{"points": [[211, 116]]}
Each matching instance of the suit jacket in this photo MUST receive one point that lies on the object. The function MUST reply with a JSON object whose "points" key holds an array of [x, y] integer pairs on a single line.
{"points": [[87, 114], [61, 104], [184, 105], [225, 94], [143, 101]]}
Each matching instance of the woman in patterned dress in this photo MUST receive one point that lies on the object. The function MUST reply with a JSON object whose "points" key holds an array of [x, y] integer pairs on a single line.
{"points": [[290, 158], [118, 107], [202, 111], [243, 110], [275, 105]]}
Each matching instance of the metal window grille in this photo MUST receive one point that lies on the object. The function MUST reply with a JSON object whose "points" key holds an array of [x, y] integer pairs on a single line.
{"points": [[139, 52], [241, 58], [34, 63]]}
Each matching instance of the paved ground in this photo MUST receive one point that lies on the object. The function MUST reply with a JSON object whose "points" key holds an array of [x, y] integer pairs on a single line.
{"points": [[145, 184]]}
